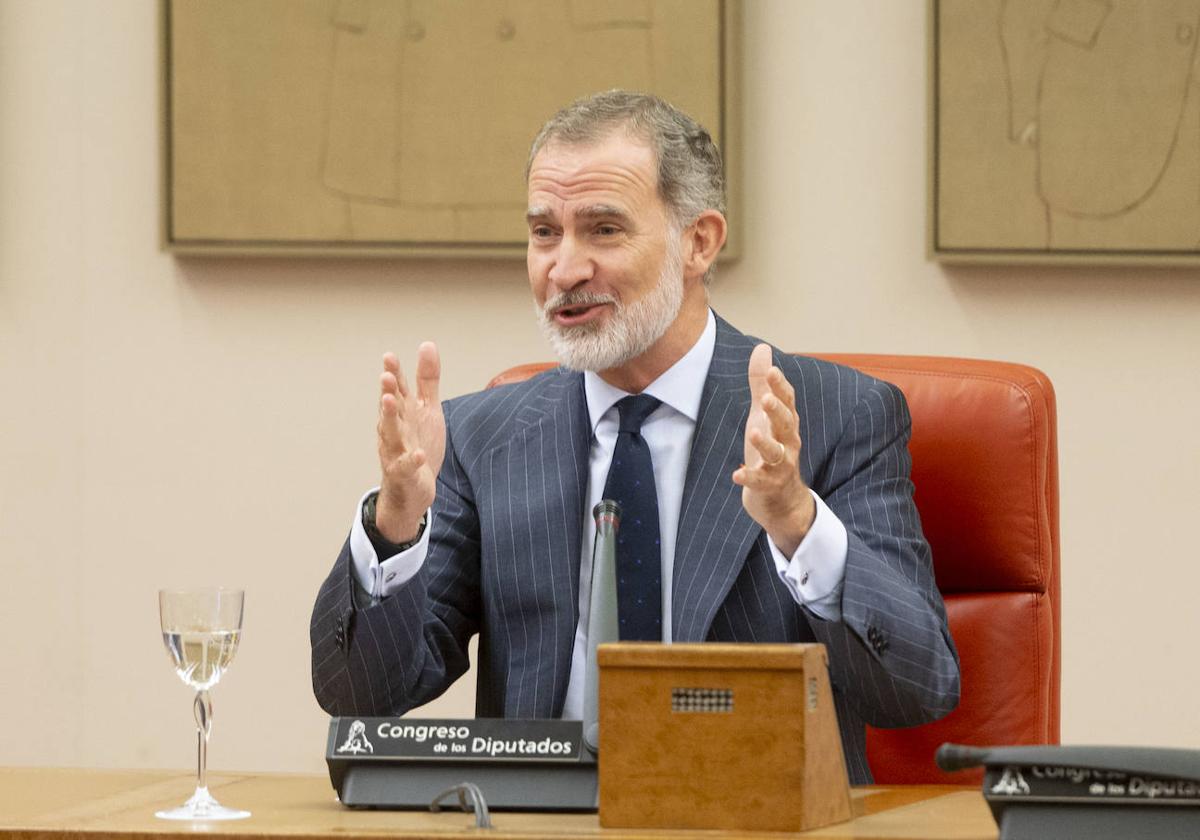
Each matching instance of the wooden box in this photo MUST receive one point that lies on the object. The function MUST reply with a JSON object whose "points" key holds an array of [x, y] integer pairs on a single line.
{"points": [[719, 736]]}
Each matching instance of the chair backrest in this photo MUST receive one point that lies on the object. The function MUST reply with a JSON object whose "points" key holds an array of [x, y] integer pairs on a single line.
{"points": [[985, 469]]}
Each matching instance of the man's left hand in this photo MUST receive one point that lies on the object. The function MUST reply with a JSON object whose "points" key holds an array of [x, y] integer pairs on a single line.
{"points": [[773, 492]]}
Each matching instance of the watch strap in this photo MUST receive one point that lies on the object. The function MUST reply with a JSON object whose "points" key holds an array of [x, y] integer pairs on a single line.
{"points": [[383, 546]]}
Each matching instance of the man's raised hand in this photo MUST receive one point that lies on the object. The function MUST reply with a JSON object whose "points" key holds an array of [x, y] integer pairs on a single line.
{"points": [[773, 492], [412, 444]]}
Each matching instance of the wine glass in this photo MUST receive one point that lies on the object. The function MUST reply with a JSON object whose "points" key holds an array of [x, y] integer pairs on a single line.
{"points": [[201, 629]]}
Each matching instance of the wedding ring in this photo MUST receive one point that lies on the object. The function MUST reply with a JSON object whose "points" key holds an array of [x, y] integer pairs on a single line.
{"points": [[779, 460]]}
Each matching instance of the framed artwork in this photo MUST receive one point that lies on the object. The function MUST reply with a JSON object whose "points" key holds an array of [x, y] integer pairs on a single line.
{"points": [[1064, 131], [402, 127]]}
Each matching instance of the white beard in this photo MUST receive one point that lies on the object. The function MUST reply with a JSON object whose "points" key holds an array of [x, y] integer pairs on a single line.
{"points": [[631, 330]]}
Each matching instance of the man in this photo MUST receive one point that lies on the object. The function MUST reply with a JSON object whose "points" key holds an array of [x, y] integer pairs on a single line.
{"points": [[777, 520]]}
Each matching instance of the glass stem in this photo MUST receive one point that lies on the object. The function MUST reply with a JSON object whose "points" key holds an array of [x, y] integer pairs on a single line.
{"points": [[203, 710]]}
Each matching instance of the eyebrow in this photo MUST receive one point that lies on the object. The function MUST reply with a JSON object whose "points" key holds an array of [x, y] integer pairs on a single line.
{"points": [[608, 211], [590, 211]]}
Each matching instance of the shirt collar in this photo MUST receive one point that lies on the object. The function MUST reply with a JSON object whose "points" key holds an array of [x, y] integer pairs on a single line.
{"points": [[680, 385]]}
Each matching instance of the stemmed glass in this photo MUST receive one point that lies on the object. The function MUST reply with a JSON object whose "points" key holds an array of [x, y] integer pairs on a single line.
{"points": [[201, 629]]}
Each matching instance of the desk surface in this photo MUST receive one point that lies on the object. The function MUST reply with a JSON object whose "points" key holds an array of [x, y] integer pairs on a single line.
{"points": [[71, 804]]}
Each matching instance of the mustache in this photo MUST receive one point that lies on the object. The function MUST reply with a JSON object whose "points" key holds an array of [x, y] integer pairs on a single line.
{"points": [[564, 300]]}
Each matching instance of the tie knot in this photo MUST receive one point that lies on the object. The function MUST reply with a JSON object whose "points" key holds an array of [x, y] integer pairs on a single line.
{"points": [[634, 411]]}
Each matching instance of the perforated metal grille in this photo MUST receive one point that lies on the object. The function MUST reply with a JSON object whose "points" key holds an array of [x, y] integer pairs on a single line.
{"points": [[702, 700]]}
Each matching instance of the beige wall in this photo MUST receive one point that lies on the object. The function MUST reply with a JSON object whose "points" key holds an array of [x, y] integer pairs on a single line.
{"points": [[190, 421]]}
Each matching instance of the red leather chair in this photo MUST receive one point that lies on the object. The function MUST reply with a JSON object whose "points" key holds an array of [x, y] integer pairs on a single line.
{"points": [[985, 468]]}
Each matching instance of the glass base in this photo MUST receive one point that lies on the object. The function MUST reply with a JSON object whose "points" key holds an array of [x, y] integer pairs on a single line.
{"points": [[202, 806]]}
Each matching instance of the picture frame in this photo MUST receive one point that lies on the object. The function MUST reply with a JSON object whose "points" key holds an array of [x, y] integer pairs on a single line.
{"points": [[1063, 132], [381, 128]]}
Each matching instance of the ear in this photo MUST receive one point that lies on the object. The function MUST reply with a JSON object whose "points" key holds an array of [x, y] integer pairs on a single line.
{"points": [[702, 242]]}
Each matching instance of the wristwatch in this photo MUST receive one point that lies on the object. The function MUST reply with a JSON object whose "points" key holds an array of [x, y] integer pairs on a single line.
{"points": [[379, 540]]}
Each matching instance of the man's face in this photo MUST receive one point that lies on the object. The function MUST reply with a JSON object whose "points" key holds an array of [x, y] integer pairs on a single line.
{"points": [[604, 257]]}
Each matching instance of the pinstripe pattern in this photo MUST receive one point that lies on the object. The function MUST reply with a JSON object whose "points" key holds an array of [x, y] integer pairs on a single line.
{"points": [[504, 557]]}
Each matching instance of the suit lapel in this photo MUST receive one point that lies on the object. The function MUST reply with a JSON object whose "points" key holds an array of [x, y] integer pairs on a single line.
{"points": [[715, 532], [556, 443]]}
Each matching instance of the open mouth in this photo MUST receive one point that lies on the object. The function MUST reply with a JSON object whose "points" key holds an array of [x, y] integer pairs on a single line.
{"points": [[570, 316]]}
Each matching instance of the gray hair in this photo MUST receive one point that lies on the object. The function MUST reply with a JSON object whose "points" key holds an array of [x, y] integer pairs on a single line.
{"points": [[691, 177]]}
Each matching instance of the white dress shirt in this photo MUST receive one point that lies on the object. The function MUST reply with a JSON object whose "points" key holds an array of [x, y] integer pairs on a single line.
{"points": [[813, 574]]}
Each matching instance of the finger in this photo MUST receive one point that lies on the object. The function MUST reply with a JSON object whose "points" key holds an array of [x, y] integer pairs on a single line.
{"points": [[760, 364], [401, 382], [389, 429], [389, 388], [781, 419], [393, 376], [752, 477], [391, 363], [429, 373], [391, 412], [389, 404], [781, 388], [390, 378], [388, 384], [768, 448]]}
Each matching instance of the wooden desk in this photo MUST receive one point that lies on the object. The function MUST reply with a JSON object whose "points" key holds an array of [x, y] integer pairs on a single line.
{"points": [[63, 804]]}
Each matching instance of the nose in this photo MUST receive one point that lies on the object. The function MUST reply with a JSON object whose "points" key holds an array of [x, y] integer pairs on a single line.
{"points": [[572, 266]]}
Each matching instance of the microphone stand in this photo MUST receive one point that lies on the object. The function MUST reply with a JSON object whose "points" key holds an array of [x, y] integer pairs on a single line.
{"points": [[602, 613]]}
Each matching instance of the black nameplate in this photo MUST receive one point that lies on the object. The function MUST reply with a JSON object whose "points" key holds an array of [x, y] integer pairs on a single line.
{"points": [[483, 739], [1052, 782], [403, 763], [1086, 793]]}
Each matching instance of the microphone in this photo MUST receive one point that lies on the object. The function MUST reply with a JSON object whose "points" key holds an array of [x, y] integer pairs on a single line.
{"points": [[951, 757], [602, 612]]}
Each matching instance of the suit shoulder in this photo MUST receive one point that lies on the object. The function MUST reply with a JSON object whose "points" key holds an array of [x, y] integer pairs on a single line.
{"points": [[849, 384], [526, 389], [494, 414], [811, 377]]}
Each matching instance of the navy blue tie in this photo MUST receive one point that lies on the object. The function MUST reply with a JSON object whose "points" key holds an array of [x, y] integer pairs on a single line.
{"points": [[639, 555]]}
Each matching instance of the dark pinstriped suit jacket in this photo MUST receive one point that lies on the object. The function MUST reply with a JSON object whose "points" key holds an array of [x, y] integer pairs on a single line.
{"points": [[505, 548]]}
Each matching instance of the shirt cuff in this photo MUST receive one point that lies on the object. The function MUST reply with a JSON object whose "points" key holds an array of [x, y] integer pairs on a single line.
{"points": [[380, 578], [815, 573]]}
